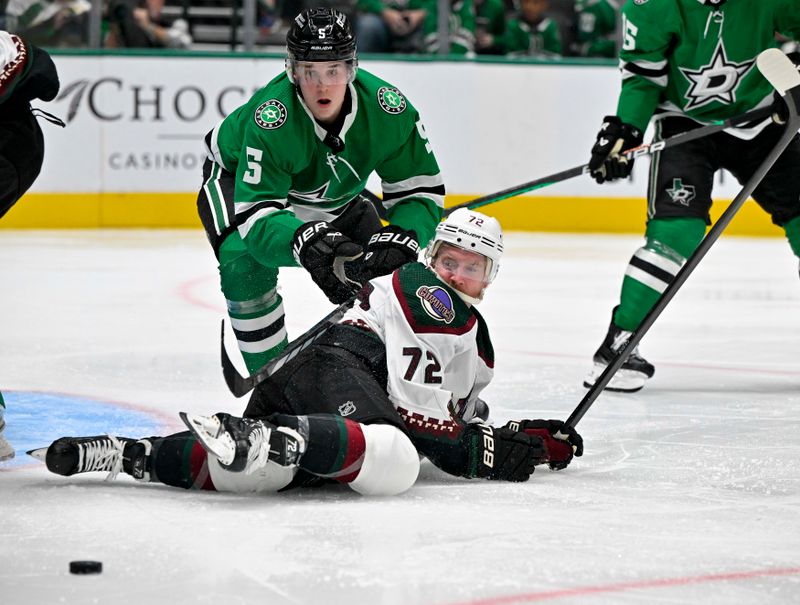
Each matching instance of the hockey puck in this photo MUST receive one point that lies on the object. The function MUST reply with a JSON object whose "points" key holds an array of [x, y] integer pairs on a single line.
{"points": [[85, 567]]}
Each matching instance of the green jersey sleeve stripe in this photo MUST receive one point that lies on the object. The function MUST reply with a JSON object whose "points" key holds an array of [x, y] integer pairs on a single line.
{"points": [[655, 72], [247, 223], [434, 193], [415, 182]]}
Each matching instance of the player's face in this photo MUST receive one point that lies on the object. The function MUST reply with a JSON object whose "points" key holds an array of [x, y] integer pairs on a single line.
{"points": [[463, 270], [323, 86]]}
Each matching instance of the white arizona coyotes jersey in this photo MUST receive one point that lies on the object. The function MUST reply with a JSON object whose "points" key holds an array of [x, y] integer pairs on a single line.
{"points": [[438, 352]]}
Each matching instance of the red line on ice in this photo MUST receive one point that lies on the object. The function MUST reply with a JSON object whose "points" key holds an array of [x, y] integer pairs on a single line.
{"points": [[639, 585], [186, 292]]}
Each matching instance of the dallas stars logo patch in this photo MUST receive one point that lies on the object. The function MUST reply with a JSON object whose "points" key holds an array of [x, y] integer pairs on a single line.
{"points": [[271, 115], [680, 193], [716, 81], [390, 99]]}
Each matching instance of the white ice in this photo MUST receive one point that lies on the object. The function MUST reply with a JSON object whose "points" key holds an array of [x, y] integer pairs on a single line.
{"points": [[689, 491]]}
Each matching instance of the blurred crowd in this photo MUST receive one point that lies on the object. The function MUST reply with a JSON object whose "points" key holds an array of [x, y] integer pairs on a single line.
{"points": [[512, 28]]}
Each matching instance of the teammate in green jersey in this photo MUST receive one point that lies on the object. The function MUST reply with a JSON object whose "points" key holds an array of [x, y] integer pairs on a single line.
{"points": [[686, 63], [283, 178]]}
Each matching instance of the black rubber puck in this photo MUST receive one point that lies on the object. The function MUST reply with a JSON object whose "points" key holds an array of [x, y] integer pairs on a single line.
{"points": [[85, 567]]}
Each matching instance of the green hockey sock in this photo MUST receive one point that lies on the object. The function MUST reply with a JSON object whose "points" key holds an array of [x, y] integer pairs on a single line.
{"points": [[792, 229], [652, 267]]}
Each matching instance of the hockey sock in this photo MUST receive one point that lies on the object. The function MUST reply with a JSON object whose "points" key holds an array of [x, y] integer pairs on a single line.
{"points": [[179, 460], [792, 229], [254, 306], [334, 445], [652, 267]]}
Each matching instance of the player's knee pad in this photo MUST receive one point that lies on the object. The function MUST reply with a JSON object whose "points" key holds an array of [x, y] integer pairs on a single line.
{"points": [[670, 236], [269, 478], [391, 462]]}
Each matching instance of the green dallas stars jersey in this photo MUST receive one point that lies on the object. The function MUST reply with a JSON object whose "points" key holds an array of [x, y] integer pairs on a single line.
{"points": [[684, 57], [286, 175]]}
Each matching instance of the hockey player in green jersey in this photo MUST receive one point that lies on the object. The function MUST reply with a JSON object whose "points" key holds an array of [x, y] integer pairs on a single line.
{"points": [[685, 63], [399, 376], [283, 178]]}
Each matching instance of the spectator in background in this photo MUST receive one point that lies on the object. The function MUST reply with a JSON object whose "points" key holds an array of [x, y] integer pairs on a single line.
{"points": [[490, 26], [384, 27], [138, 24], [461, 30], [531, 32], [61, 23], [595, 28]]}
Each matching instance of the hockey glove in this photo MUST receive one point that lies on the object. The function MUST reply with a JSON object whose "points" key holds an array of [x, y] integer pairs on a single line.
{"points": [[324, 252], [503, 454], [388, 249], [560, 441], [615, 136]]}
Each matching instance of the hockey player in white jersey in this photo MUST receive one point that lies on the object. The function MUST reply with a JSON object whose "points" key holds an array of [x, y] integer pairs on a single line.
{"points": [[400, 376]]}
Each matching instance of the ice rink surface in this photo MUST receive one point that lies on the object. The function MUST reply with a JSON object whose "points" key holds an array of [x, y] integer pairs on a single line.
{"points": [[689, 491]]}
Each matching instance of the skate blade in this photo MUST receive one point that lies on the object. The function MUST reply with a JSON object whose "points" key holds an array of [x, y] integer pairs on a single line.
{"points": [[624, 381], [211, 435], [39, 453]]}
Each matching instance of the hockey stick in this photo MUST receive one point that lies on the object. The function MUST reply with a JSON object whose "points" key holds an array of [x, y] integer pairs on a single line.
{"points": [[642, 150], [782, 74], [239, 385]]}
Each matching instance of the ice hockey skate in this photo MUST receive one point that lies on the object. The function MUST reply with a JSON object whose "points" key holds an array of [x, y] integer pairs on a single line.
{"points": [[245, 444], [633, 373], [72, 455]]}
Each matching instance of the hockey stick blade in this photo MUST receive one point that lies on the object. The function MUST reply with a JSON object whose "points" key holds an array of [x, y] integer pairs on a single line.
{"points": [[239, 385], [778, 69], [780, 72]]}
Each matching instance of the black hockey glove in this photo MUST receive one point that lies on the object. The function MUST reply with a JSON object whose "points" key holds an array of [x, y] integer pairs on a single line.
{"points": [[560, 441], [615, 136], [324, 252], [503, 454], [388, 249]]}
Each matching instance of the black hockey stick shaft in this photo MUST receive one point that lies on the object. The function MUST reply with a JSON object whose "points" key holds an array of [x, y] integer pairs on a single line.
{"points": [[645, 149], [642, 150], [792, 97], [239, 385]]}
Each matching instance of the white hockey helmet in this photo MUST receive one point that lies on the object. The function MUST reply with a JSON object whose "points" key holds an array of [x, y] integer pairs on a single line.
{"points": [[471, 231]]}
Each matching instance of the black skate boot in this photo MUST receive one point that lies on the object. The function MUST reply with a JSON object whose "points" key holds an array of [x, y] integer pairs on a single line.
{"points": [[632, 374], [71, 455], [245, 444]]}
